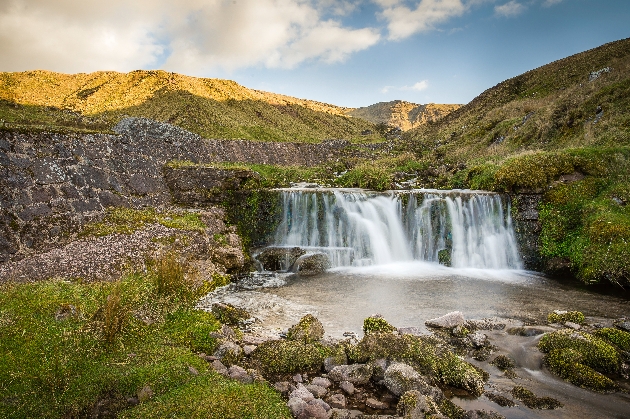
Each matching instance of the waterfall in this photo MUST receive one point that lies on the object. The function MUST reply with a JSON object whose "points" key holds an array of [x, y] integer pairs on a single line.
{"points": [[465, 229]]}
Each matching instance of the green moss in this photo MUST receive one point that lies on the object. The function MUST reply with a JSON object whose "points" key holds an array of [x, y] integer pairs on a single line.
{"points": [[426, 355], [308, 330], [503, 363], [580, 358], [281, 356], [563, 317], [619, 338], [214, 397], [192, 329], [534, 402], [226, 313], [377, 324], [127, 220], [567, 363]]}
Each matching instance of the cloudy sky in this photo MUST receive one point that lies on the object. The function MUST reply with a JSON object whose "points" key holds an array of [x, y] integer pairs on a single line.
{"points": [[345, 52]]}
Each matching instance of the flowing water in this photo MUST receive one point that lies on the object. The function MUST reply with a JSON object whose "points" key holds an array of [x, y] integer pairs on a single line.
{"points": [[384, 250]]}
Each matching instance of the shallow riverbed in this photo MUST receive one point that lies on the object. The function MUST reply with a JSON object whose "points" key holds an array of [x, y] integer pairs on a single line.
{"points": [[408, 294]]}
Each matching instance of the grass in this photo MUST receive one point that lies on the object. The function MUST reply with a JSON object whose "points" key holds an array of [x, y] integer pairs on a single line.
{"points": [[67, 346], [128, 220], [212, 108]]}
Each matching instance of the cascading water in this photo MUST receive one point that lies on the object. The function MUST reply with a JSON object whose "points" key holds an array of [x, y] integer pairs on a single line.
{"points": [[356, 228]]}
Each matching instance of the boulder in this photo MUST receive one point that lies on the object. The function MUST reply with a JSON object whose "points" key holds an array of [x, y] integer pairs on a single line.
{"points": [[219, 367], [400, 378], [447, 321], [415, 405], [279, 258], [239, 374], [296, 406], [228, 314], [317, 391], [311, 264], [355, 373], [321, 381], [337, 401], [301, 392], [308, 330], [228, 352]]}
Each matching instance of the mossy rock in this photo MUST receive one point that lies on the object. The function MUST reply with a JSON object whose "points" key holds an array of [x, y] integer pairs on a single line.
{"points": [[228, 314], [286, 356], [377, 324], [617, 337], [308, 330], [565, 316], [593, 351], [444, 257], [503, 363], [534, 402], [566, 363], [427, 355]]}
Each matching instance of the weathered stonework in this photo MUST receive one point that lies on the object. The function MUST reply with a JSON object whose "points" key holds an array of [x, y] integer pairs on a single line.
{"points": [[527, 228]]}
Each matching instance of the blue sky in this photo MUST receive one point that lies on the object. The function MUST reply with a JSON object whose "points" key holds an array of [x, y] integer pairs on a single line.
{"points": [[346, 52]]}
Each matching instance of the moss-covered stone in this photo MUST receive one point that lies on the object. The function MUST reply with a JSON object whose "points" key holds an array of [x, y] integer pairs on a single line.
{"points": [[566, 363], [377, 324], [503, 363], [426, 355], [308, 330], [565, 316], [534, 402], [285, 356], [228, 314], [617, 337], [593, 351]]}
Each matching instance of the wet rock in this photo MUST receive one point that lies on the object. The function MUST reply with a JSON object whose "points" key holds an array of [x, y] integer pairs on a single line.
{"points": [[321, 381], [341, 414], [400, 378], [355, 373], [415, 405], [532, 401], [478, 339], [337, 401], [311, 264], [525, 331], [279, 258], [482, 414], [622, 324], [296, 406], [347, 387], [414, 331], [239, 374], [503, 362], [219, 367], [447, 321], [317, 391], [308, 330], [500, 400], [376, 404]]}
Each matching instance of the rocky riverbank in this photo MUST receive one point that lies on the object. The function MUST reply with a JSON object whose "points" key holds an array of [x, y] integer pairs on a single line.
{"points": [[463, 368]]}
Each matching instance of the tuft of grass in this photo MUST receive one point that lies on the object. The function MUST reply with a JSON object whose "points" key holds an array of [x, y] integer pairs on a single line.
{"points": [[127, 220]]}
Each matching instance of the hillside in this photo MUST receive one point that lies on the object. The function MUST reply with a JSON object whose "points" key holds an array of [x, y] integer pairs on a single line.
{"points": [[212, 108], [402, 114]]}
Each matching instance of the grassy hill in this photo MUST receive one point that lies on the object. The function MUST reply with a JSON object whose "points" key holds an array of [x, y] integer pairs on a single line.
{"points": [[212, 108], [402, 114], [567, 118]]}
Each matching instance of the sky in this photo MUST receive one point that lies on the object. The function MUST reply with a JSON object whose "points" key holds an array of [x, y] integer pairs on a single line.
{"points": [[345, 52]]}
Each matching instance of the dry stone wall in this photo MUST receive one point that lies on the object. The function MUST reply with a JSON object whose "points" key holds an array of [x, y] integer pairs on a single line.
{"points": [[51, 184]]}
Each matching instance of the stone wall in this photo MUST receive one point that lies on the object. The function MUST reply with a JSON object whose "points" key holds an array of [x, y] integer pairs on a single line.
{"points": [[527, 228], [52, 184]]}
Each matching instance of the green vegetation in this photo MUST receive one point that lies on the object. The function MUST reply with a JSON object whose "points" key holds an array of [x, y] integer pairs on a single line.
{"points": [[563, 317], [308, 330], [376, 324], [212, 108], [67, 347], [619, 338], [534, 402], [127, 220], [287, 356], [581, 358], [426, 355]]}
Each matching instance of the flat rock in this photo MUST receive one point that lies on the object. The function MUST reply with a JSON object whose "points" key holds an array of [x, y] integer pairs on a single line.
{"points": [[448, 321], [347, 387], [376, 404], [355, 373]]}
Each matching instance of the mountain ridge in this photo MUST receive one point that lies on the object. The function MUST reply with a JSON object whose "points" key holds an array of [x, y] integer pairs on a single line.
{"points": [[402, 114]]}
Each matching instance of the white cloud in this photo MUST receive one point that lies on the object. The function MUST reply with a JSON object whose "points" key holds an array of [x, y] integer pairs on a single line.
{"points": [[510, 9], [549, 3], [190, 36], [419, 86]]}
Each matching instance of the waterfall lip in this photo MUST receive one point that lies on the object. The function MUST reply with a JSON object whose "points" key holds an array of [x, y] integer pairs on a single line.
{"points": [[389, 191]]}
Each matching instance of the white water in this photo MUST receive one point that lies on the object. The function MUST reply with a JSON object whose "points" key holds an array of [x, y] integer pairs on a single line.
{"points": [[358, 228]]}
